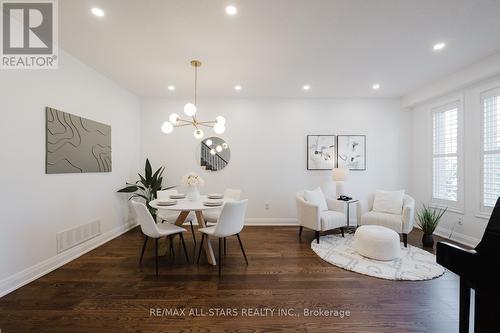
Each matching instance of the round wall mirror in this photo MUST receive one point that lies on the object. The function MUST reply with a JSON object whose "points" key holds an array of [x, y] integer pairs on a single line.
{"points": [[215, 154]]}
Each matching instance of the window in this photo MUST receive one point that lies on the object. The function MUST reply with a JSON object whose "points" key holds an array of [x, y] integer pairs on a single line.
{"points": [[490, 149], [446, 160]]}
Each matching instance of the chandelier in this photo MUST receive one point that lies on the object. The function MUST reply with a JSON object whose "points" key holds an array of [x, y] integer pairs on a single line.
{"points": [[174, 120]]}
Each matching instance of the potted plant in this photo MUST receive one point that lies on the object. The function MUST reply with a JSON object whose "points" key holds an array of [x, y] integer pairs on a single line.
{"points": [[147, 186], [428, 219]]}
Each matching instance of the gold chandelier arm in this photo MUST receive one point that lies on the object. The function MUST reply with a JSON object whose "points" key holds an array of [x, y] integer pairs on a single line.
{"points": [[180, 125], [184, 120], [207, 122], [203, 124]]}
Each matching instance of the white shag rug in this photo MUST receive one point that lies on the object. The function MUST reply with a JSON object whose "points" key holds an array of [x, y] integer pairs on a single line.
{"points": [[414, 264]]}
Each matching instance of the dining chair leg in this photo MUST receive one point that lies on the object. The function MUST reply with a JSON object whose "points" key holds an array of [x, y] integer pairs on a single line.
{"points": [[300, 232], [242, 250], [192, 231], [184, 246], [156, 256], [201, 248], [143, 248], [342, 231], [172, 245], [225, 246], [220, 256]]}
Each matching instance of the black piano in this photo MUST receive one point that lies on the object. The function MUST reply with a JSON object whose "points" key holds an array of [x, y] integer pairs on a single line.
{"points": [[479, 269]]}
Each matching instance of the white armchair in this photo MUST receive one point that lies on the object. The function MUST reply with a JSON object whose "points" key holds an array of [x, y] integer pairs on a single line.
{"points": [[312, 217], [402, 224]]}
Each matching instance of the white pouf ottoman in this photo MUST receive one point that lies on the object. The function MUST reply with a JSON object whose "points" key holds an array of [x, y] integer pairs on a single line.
{"points": [[377, 242]]}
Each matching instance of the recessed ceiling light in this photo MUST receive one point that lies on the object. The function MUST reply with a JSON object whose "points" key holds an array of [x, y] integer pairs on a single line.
{"points": [[97, 12], [438, 46], [231, 10], [171, 88], [376, 86], [306, 87], [237, 87]]}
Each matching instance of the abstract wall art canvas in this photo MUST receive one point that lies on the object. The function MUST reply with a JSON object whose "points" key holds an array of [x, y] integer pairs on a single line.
{"points": [[351, 152], [320, 152], [75, 144]]}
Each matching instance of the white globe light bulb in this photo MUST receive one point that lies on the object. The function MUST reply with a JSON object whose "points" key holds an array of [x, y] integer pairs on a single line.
{"points": [[221, 120], [167, 127], [212, 151], [218, 148], [219, 128], [208, 142], [225, 146], [198, 133], [174, 118], [190, 109]]}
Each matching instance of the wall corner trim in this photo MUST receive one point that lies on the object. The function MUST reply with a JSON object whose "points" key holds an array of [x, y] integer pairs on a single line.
{"points": [[19, 279], [457, 237]]}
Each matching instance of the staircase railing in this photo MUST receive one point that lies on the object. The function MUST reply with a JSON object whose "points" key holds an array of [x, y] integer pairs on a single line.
{"points": [[211, 162]]}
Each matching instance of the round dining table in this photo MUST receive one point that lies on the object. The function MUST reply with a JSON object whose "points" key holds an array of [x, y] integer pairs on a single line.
{"points": [[185, 206]]}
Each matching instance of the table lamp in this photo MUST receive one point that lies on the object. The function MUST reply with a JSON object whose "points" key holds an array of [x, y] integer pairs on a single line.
{"points": [[339, 175]]}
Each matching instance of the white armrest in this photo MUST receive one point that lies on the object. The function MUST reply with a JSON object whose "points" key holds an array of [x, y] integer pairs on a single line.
{"points": [[408, 214], [308, 214], [336, 205], [361, 208]]}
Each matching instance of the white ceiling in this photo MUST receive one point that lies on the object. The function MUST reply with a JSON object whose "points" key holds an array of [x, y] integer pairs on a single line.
{"points": [[273, 47]]}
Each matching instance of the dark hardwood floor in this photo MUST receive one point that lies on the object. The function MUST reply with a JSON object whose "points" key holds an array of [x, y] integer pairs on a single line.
{"points": [[106, 290]]}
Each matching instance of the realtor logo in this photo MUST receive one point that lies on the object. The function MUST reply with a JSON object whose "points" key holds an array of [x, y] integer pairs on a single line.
{"points": [[29, 35]]}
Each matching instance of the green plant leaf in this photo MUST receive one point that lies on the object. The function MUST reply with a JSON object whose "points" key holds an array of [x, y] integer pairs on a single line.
{"points": [[128, 189], [428, 218], [147, 170]]}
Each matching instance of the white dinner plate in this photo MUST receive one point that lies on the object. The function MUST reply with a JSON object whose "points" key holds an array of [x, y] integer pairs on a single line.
{"points": [[215, 196], [166, 202], [177, 196], [213, 203]]}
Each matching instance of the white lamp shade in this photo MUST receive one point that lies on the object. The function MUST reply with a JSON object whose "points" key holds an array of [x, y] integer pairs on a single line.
{"points": [[198, 133], [212, 151], [219, 128], [174, 118], [218, 148], [208, 142], [340, 174], [167, 127], [190, 109]]}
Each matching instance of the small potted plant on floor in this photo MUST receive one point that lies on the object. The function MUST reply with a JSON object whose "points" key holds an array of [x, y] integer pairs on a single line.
{"points": [[428, 219]]}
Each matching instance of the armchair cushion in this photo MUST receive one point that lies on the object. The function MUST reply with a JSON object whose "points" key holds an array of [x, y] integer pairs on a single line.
{"points": [[316, 197], [388, 201], [331, 219], [391, 221]]}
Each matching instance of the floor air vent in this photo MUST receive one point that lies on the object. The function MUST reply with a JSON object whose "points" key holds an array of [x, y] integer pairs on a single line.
{"points": [[72, 237]]}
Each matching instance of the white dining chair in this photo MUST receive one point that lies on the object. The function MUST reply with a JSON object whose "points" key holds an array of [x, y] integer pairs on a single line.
{"points": [[152, 230], [170, 216], [230, 223], [212, 215]]}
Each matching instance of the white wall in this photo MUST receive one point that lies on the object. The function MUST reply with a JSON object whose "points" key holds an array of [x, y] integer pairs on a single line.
{"points": [[35, 206], [474, 223], [267, 138]]}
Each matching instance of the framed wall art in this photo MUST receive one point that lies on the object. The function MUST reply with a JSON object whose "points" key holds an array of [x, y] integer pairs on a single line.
{"points": [[351, 152], [320, 152]]}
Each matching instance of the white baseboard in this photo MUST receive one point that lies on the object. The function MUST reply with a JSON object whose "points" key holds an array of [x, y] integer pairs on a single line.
{"points": [[32, 273], [457, 237], [271, 221]]}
